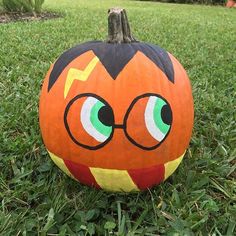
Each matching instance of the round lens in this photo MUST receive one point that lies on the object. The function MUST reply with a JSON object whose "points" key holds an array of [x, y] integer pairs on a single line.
{"points": [[89, 120], [148, 121]]}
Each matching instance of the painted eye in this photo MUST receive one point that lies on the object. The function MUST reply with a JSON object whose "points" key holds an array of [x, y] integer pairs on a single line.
{"points": [[97, 119], [157, 117], [89, 121], [148, 121]]}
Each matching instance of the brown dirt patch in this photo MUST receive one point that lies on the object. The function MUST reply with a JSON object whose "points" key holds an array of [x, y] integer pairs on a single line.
{"points": [[15, 16]]}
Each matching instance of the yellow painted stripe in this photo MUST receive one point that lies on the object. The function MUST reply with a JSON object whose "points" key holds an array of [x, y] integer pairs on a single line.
{"points": [[82, 75], [114, 180], [171, 166], [60, 163]]}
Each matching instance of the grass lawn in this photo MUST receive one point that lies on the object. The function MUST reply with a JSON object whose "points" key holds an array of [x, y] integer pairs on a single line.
{"points": [[199, 199]]}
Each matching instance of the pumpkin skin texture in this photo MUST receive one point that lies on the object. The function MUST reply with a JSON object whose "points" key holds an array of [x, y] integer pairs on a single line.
{"points": [[117, 116]]}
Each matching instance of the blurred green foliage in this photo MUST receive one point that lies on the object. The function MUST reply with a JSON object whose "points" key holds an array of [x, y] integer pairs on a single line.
{"points": [[31, 6]]}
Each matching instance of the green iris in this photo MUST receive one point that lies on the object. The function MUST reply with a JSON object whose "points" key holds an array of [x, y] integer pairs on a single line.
{"points": [[96, 122], [157, 115]]}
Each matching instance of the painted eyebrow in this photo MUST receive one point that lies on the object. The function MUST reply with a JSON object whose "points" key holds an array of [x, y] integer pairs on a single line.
{"points": [[114, 54]]}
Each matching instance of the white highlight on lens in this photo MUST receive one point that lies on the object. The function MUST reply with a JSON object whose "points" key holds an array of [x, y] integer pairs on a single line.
{"points": [[85, 120], [149, 120]]}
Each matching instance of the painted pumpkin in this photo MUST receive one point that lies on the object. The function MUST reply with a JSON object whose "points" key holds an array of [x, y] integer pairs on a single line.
{"points": [[117, 116]]}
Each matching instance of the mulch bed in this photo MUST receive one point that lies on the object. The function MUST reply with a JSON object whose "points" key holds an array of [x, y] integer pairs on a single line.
{"points": [[15, 16]]}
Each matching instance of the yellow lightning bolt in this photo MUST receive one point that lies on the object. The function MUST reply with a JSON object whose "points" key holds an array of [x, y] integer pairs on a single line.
{"points": [[82, 75]]}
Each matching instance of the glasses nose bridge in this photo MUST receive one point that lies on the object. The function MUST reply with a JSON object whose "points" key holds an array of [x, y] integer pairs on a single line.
{"points": [[119, 117], [119, 126]]}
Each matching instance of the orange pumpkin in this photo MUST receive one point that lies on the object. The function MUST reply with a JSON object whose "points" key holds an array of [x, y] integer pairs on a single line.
{"points": [[117, 116]]}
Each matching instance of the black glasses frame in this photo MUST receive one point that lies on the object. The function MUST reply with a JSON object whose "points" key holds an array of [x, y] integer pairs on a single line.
{"points": [[114, 126]]}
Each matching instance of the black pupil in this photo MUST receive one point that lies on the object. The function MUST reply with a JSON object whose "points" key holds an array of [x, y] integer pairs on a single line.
{"points": [[166, 114], [105, 115]]}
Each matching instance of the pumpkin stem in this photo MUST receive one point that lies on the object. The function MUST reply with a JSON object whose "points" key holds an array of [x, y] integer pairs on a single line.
{"points": [[118, 27]]}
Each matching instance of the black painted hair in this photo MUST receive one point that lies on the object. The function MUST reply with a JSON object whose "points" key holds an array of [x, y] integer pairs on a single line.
{"points": [[114, 57]]}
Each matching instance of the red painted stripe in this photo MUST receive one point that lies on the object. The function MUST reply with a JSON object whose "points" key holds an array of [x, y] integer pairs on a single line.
{"points": [[81, 173], [148, 177]]}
